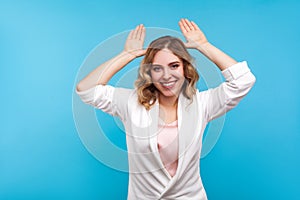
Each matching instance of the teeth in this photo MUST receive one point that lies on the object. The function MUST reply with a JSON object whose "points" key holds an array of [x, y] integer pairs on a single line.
{"points": [[168, 84]]}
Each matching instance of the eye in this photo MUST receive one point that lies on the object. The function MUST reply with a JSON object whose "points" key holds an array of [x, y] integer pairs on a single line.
{"points": [[174, 66], [156, 68]]}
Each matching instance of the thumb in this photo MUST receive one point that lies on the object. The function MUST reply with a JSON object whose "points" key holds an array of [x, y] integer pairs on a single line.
{"points": [[140, 52], [188, 45]]}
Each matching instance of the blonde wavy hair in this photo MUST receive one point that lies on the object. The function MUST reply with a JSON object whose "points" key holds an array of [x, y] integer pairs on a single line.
{"points": [[146, 91]]}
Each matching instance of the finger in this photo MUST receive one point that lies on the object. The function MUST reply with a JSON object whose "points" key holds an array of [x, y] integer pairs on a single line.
{"points": [[188, 23], [187, 45], [143, 52], [135, 32], [140, 31], [182, 27], [142, 37], [195, 25], [186, 27], [130, 35]]}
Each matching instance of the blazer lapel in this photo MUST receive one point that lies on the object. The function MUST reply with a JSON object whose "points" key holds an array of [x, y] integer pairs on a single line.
{"points": [[187, 119], [152, 132]]}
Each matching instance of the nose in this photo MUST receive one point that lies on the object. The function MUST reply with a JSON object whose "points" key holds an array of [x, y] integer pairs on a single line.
{"points": [[167, 73]]}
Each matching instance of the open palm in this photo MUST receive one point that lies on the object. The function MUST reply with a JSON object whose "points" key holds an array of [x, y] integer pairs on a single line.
{"points": [[192, 33], [135, 41]]}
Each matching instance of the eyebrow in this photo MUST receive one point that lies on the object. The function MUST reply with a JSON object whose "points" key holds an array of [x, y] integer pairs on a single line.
{"points": [[171, 63], [175, 62]]}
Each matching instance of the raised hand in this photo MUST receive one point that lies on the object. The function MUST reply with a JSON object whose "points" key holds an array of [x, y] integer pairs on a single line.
{"points": [[135, 41], [192, 33]]}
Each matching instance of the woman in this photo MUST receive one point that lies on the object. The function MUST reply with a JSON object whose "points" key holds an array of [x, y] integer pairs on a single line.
{"points": [[165, 115]]}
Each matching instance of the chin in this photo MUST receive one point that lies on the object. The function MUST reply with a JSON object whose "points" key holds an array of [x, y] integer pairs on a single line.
{"points": [[169, 93]]}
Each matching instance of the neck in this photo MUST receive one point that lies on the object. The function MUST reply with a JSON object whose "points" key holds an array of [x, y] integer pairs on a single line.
{"points": [[168, 101]]}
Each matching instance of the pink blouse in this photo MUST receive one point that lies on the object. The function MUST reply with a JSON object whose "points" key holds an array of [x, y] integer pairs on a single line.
{"points": [[167, 143]]}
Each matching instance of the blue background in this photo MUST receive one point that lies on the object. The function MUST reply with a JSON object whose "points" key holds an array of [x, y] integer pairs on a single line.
{"points": [[43, 44]]}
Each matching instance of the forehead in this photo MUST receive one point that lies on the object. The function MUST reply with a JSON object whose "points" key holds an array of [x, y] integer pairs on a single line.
{"points": [[164, 57]]}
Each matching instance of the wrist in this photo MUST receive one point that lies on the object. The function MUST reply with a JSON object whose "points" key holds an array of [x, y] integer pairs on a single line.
{"points": [[203, 47], [128, 55]]}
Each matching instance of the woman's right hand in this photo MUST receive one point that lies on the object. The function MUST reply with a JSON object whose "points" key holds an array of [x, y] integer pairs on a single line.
{"points": [[135, 41]]}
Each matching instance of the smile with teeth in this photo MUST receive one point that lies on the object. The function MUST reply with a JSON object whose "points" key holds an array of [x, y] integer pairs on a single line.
{"points": [[168, 84]]}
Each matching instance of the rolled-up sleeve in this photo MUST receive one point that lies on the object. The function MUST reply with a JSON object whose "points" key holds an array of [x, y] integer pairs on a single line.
{"points": [[107, 98], [219, 100]]}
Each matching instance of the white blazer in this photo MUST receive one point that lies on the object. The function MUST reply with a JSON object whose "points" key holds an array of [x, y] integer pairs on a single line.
{"points": [[148, 178]]}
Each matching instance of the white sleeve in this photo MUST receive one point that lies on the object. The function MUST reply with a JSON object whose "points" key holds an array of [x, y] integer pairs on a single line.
{"points": [[107, 98], [219, 100]]}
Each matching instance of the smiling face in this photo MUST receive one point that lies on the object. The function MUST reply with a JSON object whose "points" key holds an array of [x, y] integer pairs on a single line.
{"points": [[167, 73]]}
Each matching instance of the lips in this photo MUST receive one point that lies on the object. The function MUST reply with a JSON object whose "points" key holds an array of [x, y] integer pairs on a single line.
{"points": [[168, 85]]}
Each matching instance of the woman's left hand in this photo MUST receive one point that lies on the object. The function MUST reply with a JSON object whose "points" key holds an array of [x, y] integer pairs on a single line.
{"points": [[192, 33]]}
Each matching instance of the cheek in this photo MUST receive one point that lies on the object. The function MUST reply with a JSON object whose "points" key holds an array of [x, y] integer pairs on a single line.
{"points": [[155, 77], [180, 73]]}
